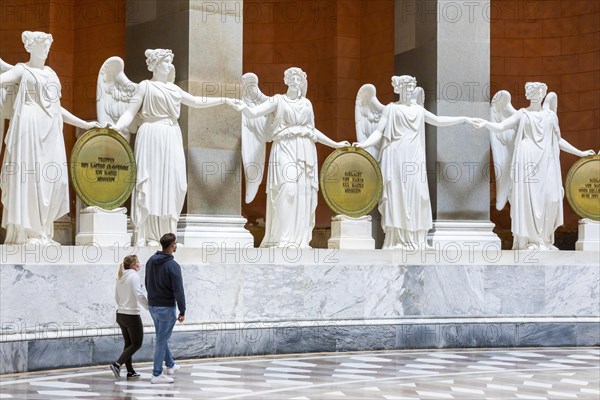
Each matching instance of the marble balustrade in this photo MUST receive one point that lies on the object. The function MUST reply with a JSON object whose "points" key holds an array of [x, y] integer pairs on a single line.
{"points": [[261, 301]]}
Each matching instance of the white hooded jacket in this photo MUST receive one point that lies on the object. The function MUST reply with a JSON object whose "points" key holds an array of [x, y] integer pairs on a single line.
{"points": [[129, 294]]}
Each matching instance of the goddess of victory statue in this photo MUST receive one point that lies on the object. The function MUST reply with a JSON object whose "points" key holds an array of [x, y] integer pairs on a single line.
{"points": [[154, 105], [400, 127], [526, 146], [288, 121], [34, 178]]}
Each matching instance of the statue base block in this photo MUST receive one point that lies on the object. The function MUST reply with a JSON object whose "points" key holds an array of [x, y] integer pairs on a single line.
{"points": [[589, 235], [464, 235], [103, 228], [214, 232], [351, 233]]}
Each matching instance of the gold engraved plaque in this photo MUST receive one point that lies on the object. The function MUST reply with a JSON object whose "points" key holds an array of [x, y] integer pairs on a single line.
{"points": [[583, 187], [103, 168], [351, 182]]}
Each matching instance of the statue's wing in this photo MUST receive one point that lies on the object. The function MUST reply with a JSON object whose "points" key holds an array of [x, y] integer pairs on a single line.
{"points": [[551, 102], [367, 113], [255, 135], [503, 146], [4, 66], [114, 93], [7, 98], [7, 93]]}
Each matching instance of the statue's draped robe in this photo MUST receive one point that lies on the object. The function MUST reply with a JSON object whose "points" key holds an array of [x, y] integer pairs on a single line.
{"points": [[34, 178], [404, 205], [159, 193], [536, 197], [292, 181]]}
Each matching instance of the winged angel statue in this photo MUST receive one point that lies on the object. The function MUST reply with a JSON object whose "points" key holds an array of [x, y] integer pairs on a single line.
{"points": [[7, 97], [398, 130], [286, 120], [151, 108], [34, 180], [526, 145]]}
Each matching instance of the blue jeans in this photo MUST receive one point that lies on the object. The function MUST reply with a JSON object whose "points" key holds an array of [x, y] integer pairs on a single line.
{"points": [[164, 320]]}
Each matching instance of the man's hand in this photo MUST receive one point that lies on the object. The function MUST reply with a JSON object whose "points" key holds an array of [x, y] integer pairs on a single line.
{"points": [[181, 318]]}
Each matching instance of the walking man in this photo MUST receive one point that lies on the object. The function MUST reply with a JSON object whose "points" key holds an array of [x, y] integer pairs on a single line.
{"points": [[164, 284]]}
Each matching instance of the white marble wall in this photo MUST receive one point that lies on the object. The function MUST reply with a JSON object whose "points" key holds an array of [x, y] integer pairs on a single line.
{"points": [[311, 287]]}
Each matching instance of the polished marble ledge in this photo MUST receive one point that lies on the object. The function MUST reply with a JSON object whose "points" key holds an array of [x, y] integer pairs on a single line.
{"points": [[78, 296], [476, 254]]}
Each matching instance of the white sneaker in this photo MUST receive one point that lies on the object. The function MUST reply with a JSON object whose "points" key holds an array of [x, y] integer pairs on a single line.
{"points": [[161, 379], [171, 371]]}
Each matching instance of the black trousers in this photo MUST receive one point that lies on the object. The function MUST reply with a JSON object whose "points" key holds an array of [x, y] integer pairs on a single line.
{"points": [[133, 333]]}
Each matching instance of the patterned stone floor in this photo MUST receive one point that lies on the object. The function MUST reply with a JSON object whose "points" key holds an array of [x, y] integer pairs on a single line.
{"points": [[460, 374]]}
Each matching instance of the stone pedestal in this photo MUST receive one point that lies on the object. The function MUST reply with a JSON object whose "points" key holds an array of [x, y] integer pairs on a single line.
{"points": [[208, 59], [589, 235], [103, 228], [464, 235], [214, 231], [351, 233]]}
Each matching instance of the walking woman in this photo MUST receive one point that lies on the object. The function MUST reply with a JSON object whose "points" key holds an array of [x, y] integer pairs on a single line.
{"points": [[129, 296]]}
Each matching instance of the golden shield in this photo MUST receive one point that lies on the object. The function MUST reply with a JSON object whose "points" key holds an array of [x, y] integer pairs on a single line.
{"points": [[583, 187], [351, 182], [103, 169]]}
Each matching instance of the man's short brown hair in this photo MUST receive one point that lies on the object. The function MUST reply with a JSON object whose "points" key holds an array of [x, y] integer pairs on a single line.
{"points": [[167, 240]]}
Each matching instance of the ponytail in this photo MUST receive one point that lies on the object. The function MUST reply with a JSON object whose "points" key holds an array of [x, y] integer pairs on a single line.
{"points": [[126, 264], [121, 271]]}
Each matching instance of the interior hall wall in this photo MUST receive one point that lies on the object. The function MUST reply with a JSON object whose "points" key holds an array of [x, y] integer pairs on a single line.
{"points": [[85, 33], [556, 42], [340, 44]]}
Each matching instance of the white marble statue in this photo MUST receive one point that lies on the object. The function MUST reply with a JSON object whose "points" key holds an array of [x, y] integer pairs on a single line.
{"points": [[526, 145], [367, 113], [7, 95], [405, 206], [154, 105], [288, 121], [34, 179]]}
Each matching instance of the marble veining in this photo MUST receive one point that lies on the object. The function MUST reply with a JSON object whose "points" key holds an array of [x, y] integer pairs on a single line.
{"points": [[572, 290], [66, 297]]}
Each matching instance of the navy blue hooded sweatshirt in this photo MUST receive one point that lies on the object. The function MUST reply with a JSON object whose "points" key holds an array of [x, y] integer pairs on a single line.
{"points": [[164, 282]]}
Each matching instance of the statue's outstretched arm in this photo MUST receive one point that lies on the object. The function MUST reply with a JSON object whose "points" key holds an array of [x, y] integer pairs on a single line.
{"points": [[569, 148], [324, 139], [200, 101], [371, 140], [435, 120], [260, 110], [76, 121], [499, 127]]}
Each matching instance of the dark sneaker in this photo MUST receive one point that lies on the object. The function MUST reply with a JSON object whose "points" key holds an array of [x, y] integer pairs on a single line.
{"points": [[116, 370], [133, 375]]}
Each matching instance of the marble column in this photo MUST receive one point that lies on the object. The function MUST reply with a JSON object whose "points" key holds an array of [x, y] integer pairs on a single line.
{"points": [[446, 46], [206, 37]]}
